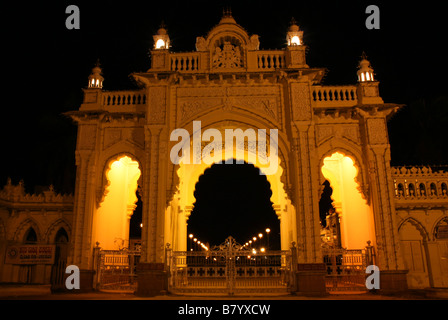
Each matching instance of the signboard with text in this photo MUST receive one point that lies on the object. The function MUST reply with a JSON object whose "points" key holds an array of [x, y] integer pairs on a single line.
{"points": [[30, 254]]}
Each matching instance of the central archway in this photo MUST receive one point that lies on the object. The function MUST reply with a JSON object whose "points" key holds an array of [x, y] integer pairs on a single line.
{"points": [[234, 200], [180, 207]]}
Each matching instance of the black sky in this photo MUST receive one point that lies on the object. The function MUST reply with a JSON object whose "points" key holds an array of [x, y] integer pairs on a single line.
{"points": [[45, 66]]}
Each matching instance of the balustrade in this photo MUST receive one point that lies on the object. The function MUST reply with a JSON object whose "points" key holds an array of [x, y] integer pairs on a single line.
{"points": [[270, 60], [124, 98], [334, 96], [184, 62]]}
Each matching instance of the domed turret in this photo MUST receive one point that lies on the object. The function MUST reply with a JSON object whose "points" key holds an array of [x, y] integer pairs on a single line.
{"points": [[365, 72], [161, 39], [95, 78]]}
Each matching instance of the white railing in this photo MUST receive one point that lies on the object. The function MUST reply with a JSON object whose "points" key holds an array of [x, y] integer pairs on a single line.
{"points": [[270, 60], [185, 62], [334, 96], [123, 98]]}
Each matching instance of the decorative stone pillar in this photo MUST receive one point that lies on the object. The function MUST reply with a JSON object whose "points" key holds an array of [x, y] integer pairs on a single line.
{"points": [[310, 275], [389, 256], [152, 276]]}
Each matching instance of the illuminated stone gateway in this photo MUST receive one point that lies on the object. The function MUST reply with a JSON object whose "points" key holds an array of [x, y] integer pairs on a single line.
{"points": [[325, 133]]}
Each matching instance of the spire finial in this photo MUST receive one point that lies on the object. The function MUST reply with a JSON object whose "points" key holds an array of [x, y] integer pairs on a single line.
{"points": [[227, 12], [293, 21], [363, 56]]}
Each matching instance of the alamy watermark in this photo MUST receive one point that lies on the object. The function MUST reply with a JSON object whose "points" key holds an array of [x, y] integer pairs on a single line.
{"points": [[218, 149], [373, 20], [73, 280], [373, 280], [73, 20]]}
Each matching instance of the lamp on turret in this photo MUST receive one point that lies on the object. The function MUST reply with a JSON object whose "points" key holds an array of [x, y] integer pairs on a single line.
{"points": [[294, 37], [161, 39], [95, 78], [365, 72]]}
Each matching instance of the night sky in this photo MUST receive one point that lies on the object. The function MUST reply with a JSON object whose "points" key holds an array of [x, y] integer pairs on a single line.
{"points": [[45, 66]]}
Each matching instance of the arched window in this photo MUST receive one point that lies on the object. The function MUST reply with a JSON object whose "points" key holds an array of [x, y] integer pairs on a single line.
{"points": [[422, 189], [444, 189], [61, 236], [411, 189], [441, 230], [31, 236], [433, 189], [400, 190]]}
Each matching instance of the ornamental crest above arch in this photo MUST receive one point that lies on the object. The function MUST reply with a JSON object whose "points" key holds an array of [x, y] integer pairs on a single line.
{"points": [[227, 45]]}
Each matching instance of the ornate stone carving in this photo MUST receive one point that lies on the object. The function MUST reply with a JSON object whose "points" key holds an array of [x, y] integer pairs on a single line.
{"points": [[254, 43], [157, 107], [377, 131], [87, 137], [201, 44], [301, 104], [227, 57]]}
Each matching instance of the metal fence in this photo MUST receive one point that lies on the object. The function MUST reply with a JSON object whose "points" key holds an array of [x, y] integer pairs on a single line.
{"points": [[229, 269]]}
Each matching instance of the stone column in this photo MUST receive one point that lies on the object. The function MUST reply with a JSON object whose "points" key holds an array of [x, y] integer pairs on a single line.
{"points": [[389, 256], [310, 275], [152, 276]]}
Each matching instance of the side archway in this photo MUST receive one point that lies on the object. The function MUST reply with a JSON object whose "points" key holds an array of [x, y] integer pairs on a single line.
{"points": [[112, 218], [355, 215]]}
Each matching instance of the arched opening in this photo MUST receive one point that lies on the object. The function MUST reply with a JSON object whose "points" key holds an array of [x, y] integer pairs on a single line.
{"points": [[354, 214], [329, 219], [413, 243], [60, 260], [112, 219], [135, 224], [179, 210], [30, 236], [439, 274], [61, 236], [234, 200]]}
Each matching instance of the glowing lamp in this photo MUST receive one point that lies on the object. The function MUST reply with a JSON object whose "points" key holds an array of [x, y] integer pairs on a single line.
{"points": [[365, 72], [294, 35], [295, 41], [95, 78], [161, 39], [160, 44]]}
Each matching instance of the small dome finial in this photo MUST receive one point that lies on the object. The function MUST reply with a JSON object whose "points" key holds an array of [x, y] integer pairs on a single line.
{"points": [[365, 72], [227, 12], [95, 78], [227, 16]]}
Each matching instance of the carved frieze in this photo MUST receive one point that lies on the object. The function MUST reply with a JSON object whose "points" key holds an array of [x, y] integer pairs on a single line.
{"points": [[338, 130], [261, 100], [377, 131], [300, 99], [87, 136], [157, 105]]}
